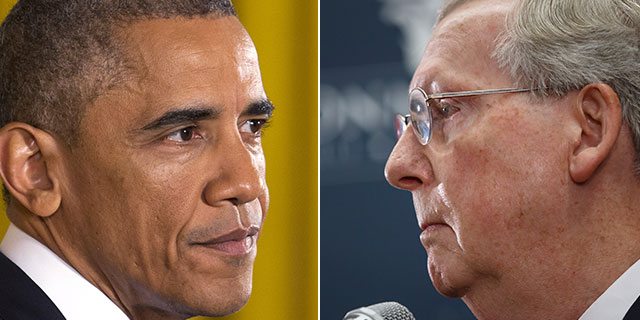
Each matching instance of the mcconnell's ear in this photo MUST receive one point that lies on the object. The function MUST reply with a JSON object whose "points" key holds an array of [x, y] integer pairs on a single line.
{"points": [[599, 115], [27, 157]]}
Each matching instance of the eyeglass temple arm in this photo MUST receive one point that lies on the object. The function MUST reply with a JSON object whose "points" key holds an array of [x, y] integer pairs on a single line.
{"points": [[476, 93]]}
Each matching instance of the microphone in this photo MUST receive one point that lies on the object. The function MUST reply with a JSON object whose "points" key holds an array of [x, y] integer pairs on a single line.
{"points": [[381, 311]]}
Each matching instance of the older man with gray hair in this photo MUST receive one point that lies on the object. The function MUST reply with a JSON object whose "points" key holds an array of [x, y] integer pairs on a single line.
{"points": [[522, 157]]}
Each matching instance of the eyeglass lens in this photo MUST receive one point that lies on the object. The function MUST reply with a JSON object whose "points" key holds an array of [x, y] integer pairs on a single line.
{"points": [[401, 124], [421, 116]]}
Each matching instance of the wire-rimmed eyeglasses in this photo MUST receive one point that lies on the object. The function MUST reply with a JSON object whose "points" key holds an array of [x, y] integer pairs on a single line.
{"points": [[421, 114]]}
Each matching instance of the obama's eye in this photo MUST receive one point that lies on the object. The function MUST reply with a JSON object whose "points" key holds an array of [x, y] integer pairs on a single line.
{"points": [[184, 135], [254, 127]]}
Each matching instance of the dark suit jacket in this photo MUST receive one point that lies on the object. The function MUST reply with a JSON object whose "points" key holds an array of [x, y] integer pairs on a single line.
{"points": [[21, 298], [634, 312]]}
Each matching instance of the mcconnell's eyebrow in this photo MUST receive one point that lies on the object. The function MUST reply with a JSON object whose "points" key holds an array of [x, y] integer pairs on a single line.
{"points": [[259, 108], [174, 117]]}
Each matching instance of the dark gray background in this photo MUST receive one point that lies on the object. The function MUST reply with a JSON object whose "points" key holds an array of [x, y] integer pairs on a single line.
{"points": [[369, 246]]}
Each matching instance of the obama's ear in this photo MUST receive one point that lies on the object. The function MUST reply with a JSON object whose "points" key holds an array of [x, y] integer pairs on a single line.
{"points": [[599, 116], [27, 165]]}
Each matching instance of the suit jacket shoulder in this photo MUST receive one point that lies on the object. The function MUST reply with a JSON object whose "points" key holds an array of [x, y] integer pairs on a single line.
{"points": [[634, 311], [21, 298]]}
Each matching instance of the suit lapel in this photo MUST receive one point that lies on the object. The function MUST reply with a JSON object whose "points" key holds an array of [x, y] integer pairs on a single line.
{"points": [[20, 297], [634, 311]]}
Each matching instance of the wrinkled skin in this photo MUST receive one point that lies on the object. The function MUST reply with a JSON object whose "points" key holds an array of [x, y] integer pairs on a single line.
{"points": [[493, 191]]}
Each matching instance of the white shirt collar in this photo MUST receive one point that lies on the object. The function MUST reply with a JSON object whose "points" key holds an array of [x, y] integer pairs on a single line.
{"points": [[75, 297], [614, 303]]}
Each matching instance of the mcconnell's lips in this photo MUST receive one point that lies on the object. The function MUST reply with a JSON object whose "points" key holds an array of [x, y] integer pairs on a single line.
{"points": [[236, 242], [430, 232], [432, 225], [431, 216]]}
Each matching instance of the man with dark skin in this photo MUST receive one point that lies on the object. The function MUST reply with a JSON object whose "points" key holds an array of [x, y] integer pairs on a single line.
{"points": [[138, 166], [527, 196]]}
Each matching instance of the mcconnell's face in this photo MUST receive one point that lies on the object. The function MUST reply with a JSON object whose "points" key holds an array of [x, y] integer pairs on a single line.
{"points": [[488, 190], [166, 195]]}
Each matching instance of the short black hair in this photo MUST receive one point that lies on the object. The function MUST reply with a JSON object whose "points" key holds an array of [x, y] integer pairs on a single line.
{"points": [[57, 56]]}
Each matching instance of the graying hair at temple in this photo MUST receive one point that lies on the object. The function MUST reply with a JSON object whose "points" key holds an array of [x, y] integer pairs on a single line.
{"points": [[563, 45]]}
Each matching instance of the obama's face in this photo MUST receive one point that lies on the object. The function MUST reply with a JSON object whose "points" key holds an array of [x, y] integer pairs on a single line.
{"points": [[166, 193]]}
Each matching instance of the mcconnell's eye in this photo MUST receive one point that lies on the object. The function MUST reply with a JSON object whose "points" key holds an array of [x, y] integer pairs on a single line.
{"points": [[448, 110], [254, 126], [183, 135]]}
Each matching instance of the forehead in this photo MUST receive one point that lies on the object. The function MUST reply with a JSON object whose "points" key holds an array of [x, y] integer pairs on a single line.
{"points": [[208, 61], [167, 44], [458, 56]]}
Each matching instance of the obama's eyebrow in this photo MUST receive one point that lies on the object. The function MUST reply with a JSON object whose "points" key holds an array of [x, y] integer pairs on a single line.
{"points": [[259, 108], [180, 116]]}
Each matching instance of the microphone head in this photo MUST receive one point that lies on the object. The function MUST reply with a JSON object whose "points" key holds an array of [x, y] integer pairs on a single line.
{"points": [[381, 311]]}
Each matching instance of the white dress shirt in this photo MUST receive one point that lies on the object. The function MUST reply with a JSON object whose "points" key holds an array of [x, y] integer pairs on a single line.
{"points": [[614, 303], [75, 297]]}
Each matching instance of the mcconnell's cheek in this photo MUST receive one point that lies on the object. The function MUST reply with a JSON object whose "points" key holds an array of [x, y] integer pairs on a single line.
{"points": [[461, 124], [443, 195]]}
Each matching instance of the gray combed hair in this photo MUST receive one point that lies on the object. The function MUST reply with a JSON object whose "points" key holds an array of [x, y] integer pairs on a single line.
{"points": [[564, 45]]}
